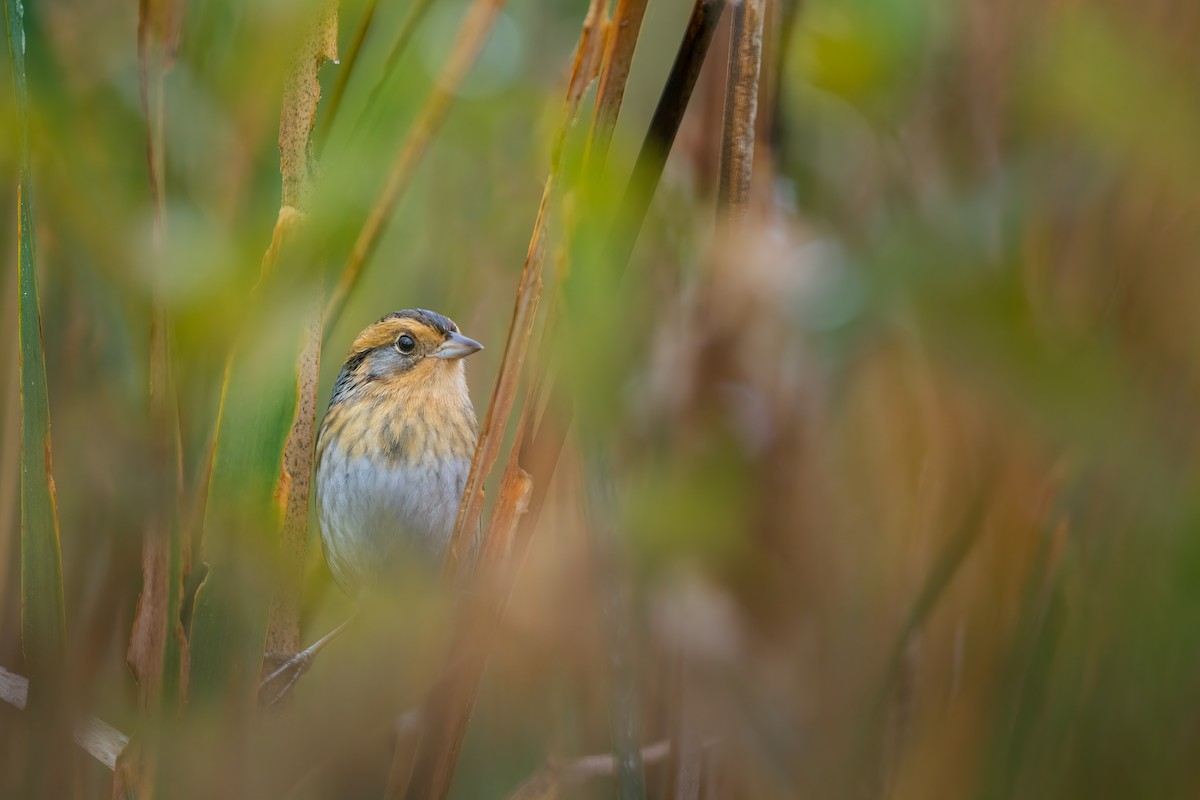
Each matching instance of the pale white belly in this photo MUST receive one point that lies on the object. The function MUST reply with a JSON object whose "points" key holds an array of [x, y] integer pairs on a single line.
{"points": [[375, 519]]}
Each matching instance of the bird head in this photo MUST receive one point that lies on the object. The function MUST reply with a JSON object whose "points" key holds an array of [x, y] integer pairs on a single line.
{"points": [[409, 348]]}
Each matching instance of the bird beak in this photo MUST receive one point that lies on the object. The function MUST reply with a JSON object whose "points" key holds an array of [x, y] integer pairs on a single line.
{"points": [[457, 346]]}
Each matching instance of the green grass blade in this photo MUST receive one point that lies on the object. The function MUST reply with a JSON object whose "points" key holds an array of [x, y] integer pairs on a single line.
{"points": [[242, 522], [43, 620], [43, 617]]}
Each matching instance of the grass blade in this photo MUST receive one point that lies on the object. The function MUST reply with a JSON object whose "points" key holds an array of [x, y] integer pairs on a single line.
{"points": [[43, 616], [472, 36]]}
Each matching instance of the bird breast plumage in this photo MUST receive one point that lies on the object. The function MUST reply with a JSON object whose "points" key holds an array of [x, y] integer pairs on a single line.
{"points": [[373, 514], [392, 461]]}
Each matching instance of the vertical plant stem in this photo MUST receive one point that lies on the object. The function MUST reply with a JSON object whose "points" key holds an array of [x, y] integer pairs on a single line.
{"points": [[741, 106], [157, 646], [614, 75], [491, 434], [448, 709], [541, 447]]}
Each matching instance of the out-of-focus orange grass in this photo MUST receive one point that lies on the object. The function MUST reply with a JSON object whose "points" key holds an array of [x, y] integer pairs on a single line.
{"points": [[961, 324]]}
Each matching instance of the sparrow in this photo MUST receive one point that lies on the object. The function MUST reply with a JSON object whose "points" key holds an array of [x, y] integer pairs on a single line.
{"points": [[394, 449]]}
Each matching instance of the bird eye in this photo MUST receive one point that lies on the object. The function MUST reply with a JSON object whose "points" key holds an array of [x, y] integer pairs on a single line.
{"points": [[405, 344]]}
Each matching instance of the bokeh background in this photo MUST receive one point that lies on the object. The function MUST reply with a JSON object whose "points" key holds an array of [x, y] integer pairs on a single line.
{"points": [[889, 491]]}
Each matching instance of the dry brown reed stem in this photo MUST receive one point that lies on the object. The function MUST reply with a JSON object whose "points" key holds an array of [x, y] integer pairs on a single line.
{"points": [[737, 158], [298, 110], [491, 435], [480, 19], [614, 75], [741, 105], [448, 709], [541, 447], [154, 630]]}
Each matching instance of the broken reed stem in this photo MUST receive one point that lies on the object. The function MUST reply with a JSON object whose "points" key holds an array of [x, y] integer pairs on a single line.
{"points": [[100, 740], [472, 35], [741, 106]]}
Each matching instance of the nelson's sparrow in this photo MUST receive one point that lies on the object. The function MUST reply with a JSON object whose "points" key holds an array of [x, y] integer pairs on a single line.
{"points": [[395, 447]]}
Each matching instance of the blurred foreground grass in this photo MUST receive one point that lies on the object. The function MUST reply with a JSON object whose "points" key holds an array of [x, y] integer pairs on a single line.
{"points": [[887, 487]]}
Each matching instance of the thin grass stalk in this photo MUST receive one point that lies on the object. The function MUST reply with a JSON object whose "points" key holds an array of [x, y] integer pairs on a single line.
{"points": [[408, 26], [741, 106], [686, 771], [687, 776], [325, 123], [541, 449], [472, 36], [43, 615]]}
